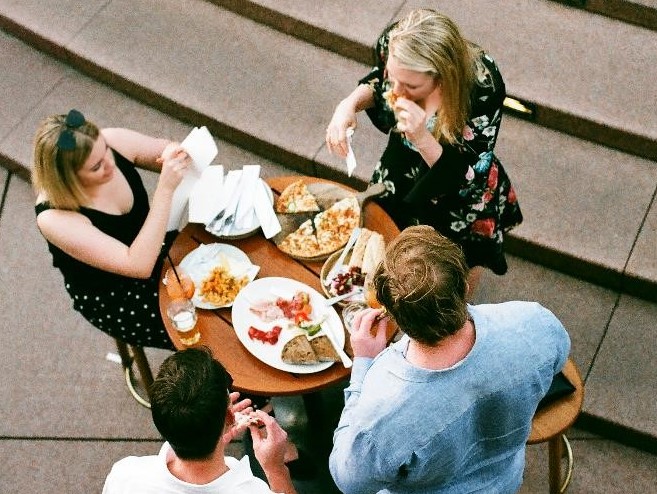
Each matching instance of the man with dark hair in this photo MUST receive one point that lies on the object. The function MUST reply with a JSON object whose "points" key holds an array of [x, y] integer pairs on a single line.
{"points": [[448, 408], [194, 411]]}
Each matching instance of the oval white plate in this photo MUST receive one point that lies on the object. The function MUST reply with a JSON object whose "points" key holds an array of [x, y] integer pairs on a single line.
{"points": [[270, 289], [200, 262]]}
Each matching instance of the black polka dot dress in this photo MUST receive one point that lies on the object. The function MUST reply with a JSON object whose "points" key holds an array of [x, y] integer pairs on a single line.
{"points": [[124, 308]]}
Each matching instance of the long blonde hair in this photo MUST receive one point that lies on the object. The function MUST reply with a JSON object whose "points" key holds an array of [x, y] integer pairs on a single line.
{"points": [[54, 175], [429, 42]]}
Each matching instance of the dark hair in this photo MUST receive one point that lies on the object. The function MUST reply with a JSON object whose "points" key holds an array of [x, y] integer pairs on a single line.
{"points": [[189, 401], [422, 283]]}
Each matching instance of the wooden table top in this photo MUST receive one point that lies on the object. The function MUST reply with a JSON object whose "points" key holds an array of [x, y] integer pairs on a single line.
{"points": [[250, 375]]}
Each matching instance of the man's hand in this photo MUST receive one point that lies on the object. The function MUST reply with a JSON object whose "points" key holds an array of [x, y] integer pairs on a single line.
{"points": [[368, 335]]}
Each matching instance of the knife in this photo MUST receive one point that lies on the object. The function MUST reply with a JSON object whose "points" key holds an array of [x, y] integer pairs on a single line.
{"points": [[350, 243], [346, 361], [231, 208]]}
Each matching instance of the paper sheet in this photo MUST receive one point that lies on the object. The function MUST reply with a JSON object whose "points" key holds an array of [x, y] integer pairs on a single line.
{"points": [[201, 147]]}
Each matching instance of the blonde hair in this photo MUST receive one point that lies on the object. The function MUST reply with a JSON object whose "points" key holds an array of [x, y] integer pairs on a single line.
{"points": [[422, 283], [429, 42], [55, 170]]}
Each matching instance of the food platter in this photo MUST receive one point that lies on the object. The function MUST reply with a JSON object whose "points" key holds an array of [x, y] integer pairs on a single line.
{"points": [[269, 289], [200, 262]]}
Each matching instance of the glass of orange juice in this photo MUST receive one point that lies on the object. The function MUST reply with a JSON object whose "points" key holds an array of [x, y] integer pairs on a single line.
{"points": [[179, 284]]}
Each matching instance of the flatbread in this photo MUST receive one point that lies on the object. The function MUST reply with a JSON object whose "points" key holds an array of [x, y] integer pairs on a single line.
{"points": [[298, 351], [296, 198], [323, 349]]}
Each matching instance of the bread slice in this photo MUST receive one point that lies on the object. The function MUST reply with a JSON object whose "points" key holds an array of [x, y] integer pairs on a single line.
{"points": [[374, 253], [323, 349], [356, 259], [298, 351]]}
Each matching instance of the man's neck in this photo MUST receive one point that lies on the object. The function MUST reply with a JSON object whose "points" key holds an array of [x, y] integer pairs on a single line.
{"points": [[446, 353], [197, 472]]}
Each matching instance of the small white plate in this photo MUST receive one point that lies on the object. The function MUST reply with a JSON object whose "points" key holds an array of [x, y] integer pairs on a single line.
{"points": [[270, 289], [200, 262]]}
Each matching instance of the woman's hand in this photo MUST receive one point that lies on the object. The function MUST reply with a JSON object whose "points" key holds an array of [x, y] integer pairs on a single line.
{"points": [[411, 119], [175, 162], [344, 117]]}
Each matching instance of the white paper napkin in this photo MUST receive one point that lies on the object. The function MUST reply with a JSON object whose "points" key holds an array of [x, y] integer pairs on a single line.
{"points": [[231, 182], [351, 157], [205, 199], [201, 147], [265, 211], [245, 216]]}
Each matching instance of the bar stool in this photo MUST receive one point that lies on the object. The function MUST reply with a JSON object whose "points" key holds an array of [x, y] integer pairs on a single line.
{"points": [[139, 357], [550, 424]]}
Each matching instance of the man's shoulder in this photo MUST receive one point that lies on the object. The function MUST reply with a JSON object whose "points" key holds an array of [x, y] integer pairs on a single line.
{"points": [[126, 471]]}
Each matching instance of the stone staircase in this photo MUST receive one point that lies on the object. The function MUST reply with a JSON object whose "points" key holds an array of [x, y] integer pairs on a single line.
{"points": [[579, 138]]}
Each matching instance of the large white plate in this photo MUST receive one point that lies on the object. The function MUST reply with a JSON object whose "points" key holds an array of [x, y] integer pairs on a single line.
{"points": [[270, 289], [200, 262]]}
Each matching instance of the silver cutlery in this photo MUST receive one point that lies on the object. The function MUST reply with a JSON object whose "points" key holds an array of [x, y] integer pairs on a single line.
{"points": [[330, 301]]}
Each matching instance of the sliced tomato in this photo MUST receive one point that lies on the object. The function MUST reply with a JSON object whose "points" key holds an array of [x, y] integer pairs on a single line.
{"points": [[270, 336]]}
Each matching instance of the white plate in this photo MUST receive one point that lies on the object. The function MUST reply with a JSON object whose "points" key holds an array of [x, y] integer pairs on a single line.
{"points": [[200, 262], [237, 233], [270, 289]]}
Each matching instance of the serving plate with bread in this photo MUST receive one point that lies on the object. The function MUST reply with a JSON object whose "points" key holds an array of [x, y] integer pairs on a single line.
{"points": [[294, 350], [349, 276]]}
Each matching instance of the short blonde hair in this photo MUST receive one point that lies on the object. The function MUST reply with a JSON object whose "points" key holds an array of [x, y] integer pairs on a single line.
{"points": [[55, 170], [422, 283], [429, 42]]}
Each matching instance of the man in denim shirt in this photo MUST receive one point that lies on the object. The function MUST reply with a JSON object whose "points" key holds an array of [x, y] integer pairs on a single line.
{"points": [[448, 408]]}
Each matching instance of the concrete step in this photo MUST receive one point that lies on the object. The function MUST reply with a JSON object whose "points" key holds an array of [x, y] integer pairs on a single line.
{"points": [[595, 316], [568, 68], [223, 71], [640, 12]]}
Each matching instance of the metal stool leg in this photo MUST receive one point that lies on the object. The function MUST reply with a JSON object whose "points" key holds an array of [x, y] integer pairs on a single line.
{"points": [[556, 447]]}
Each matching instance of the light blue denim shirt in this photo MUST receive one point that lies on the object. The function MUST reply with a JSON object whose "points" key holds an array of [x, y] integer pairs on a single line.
{"points": [[405, 429]]}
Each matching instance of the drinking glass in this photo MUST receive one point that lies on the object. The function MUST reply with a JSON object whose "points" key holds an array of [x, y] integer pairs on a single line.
{"points": [[182, 315]]}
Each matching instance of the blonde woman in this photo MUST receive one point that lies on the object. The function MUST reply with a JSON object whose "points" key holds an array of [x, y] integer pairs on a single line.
{"points": [[440, 99], [93, 210]]}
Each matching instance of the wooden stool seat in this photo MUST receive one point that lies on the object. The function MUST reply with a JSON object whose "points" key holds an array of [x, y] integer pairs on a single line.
{"points": [[550, 424]]}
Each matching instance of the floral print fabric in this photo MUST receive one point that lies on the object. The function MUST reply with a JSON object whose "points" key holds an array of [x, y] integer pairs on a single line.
{"points": [[466, 195]]}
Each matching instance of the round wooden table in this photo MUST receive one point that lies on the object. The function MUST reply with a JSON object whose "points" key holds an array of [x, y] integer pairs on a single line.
{"points": [[250, 375]]}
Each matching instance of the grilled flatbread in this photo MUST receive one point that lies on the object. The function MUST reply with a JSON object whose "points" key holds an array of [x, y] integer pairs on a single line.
{"points": [[323, 349], [374, 252], [296, 198], [298, 351], [302, 242], [357, 254]]}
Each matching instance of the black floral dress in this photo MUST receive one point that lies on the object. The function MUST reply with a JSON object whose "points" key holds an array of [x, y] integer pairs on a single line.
{"points": [[466, 195]]}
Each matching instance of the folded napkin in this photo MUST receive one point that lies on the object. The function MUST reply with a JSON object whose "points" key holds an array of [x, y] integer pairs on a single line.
{"points": [[205, 200], [201, 147], [265, 211], [245, 217], [351, 157]]}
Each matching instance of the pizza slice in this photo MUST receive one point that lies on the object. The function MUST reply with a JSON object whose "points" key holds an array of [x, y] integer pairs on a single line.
{"points": [[334, 226], [302, 242], [296, 198]]}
